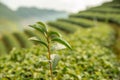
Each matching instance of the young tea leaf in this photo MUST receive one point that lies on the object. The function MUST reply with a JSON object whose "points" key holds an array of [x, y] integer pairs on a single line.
{"points": [[53, 33], [61, 41], [43, 26], [37, 28], [38, 41], [55, 59]]}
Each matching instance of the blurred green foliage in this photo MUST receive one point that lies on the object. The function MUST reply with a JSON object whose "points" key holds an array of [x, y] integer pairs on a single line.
{"points": [[91, 58]]}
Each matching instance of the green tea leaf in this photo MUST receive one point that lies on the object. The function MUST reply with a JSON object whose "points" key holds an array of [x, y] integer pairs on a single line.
{"points": [[55, 59], [37, 40], [61, 41], [53, 33], [41, 24], [37, 28]]}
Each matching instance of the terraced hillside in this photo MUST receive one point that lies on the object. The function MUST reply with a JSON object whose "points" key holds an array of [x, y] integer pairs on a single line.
{"points": [[94, 35]]}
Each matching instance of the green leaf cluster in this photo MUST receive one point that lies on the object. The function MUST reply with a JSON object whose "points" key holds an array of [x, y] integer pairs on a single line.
{"points": [[52, 35]]}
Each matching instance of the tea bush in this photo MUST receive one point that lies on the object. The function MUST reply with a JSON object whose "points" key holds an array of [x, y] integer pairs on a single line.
{"points": [[10, 41], [105, 10], [23, 39], [67, 27], [78, 21], [99, 16]]}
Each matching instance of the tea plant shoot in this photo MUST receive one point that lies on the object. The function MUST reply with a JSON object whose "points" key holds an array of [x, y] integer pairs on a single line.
{"points": [[50, 38]]}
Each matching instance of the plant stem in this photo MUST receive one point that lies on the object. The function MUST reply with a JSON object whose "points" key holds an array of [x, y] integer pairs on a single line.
{"points": [[49, 57]]}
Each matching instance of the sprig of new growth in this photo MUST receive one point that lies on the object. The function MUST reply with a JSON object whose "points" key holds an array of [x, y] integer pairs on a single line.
{"points": [[51, 37]]}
